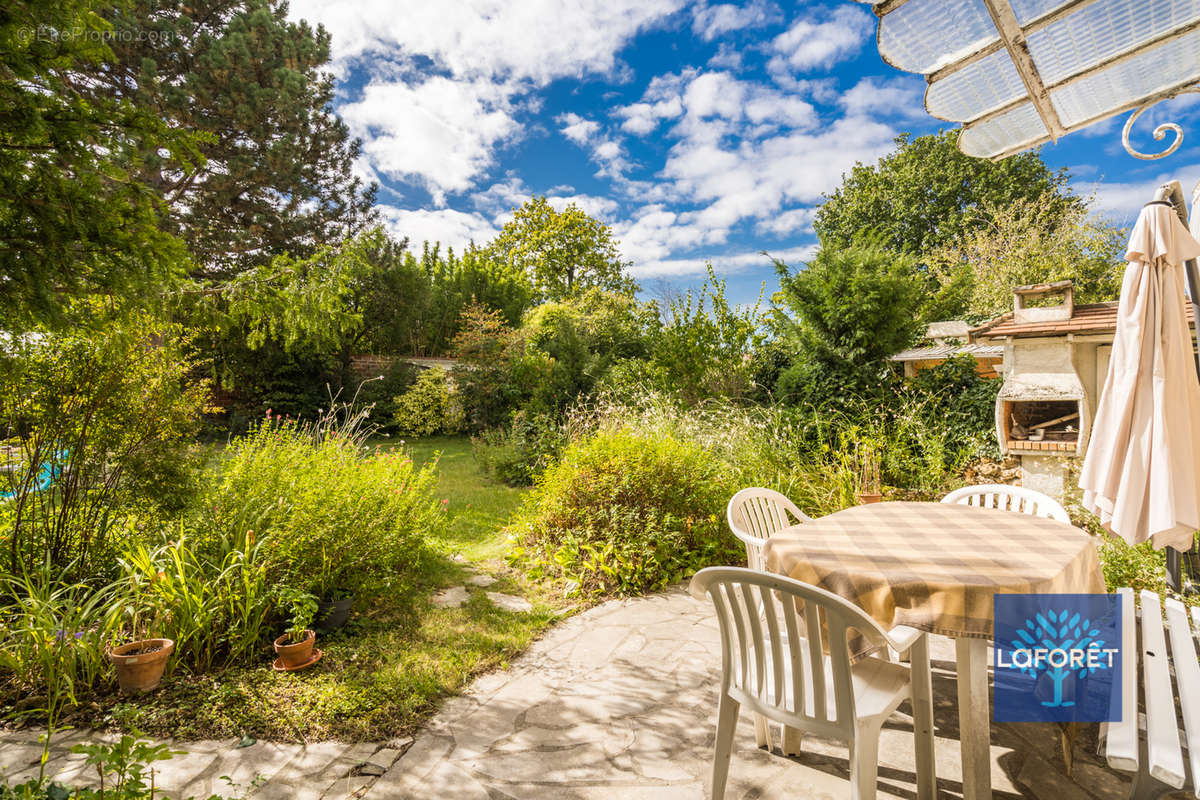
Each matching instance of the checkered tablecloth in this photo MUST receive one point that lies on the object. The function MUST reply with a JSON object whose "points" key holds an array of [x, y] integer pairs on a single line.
{"points": [[935, 566]]}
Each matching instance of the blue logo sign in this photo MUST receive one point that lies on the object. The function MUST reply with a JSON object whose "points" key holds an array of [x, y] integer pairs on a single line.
{"points": [[1057, 658]]}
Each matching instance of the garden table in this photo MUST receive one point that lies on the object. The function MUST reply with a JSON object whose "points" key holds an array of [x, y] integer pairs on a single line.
{"points": [[936, 567]]}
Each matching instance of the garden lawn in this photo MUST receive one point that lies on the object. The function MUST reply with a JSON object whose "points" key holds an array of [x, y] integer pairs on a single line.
{"points": [[384, 673], [477, 504]]}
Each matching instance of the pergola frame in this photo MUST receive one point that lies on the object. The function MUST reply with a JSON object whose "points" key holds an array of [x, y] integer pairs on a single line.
{"points": [[1013, 38]]}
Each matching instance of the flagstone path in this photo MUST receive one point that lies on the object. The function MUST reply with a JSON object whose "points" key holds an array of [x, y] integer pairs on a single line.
{"points": [[616, 702]]}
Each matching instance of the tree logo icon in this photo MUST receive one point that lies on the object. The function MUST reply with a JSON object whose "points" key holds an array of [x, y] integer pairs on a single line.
{"points": [[1054, 660], [1057, 645]]}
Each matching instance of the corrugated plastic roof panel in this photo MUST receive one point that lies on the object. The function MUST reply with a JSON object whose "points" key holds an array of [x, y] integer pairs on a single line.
{"points": [[1084, 60]]}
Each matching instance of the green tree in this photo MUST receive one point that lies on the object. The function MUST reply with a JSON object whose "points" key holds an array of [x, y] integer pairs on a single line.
{"points": [[705, 348], [1025, 242], [562, 252], [921, 195], [851, 308], [100, 416], [583, 337], [277, 176], [488, 350], [73, 218], [479, 276]]}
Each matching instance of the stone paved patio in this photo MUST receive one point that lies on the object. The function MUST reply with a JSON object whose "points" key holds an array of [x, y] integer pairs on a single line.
{"points": [[617, 702]]}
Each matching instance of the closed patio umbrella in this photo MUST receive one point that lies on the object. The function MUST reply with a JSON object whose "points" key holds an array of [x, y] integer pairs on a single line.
{"points": [[1141, 475]]}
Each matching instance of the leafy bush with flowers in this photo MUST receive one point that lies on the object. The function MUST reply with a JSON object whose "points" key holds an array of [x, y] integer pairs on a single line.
{"points": [[321, 511], [626, 511]]}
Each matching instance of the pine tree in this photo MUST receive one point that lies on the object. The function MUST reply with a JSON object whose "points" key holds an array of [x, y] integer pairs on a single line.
{"points": [[278, 172], [73, 220]]}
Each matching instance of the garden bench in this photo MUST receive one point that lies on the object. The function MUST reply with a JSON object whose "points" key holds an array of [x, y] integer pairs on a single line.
{"points": [[1149, 744]]}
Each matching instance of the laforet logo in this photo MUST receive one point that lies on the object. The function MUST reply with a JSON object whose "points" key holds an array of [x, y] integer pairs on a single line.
{"points": [[1057, 658]]}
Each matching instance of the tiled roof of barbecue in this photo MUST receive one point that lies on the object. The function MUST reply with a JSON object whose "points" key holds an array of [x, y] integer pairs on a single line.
{"points": [[936, 352], [1088, 318]]}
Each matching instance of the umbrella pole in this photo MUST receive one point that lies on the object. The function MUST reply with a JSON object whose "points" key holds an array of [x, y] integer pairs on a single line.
{"points": [[1174, 557], [1172, 192]]}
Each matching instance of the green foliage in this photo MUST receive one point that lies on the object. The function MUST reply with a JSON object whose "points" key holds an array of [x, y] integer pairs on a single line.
{"points": [[519, 452], [123, 768], [581, 337], [430, 406], [479, 277], [1140, 567], [122, 765], [704, 349], [53, 636], [851, 309], [562, 252], [212, 598], [75, 220], [1027, 242], [626, 512], [959, 402], [321, 512], [106, 413], [277, 175], [493, 377], [921, 196], [380, 394], [301, 608], [411, 305]]}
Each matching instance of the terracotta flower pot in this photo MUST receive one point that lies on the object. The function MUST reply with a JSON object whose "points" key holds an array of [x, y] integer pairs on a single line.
{"points": [[870, 497], [140, 665], [294, 654]]}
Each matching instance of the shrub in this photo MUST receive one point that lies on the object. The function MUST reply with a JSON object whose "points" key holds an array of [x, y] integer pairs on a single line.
{"points": [[326, 514], [382, 394], [1140, 567], [123, 769], [100, 419], [705, 348], [429, 407], [53, 637], [518, 453], [627, 512], [214, 603]]}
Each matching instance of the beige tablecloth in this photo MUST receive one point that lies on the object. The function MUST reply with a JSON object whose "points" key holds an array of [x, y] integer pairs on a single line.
{"points": [[935, 566]]}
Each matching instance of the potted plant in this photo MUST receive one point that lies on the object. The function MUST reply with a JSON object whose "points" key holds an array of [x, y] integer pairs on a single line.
{"points": [[295, 647], [869, 486], [140, 664], [334, 611]]}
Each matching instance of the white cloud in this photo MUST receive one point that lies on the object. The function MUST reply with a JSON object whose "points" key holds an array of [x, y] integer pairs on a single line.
{"points": [[1120, 202], [821, 40], [787, 223], [534, 40], [898, 96], [576, 128], [490, 55], [441, 133], [742, 152], [715, 104], [663, 99], [709, 22], [452, 228], [727, 57], [724, 264]]}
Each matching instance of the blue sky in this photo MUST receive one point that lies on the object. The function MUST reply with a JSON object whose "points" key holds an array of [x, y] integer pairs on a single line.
{"points": [[698, 131]]}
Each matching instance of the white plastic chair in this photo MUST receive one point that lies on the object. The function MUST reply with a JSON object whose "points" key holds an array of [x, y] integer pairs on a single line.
{"points": [[1009, 498], [755, 514], [769, 668]]}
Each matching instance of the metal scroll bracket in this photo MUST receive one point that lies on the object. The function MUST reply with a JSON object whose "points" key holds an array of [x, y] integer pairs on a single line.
{"points": [[1161, 131]]}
